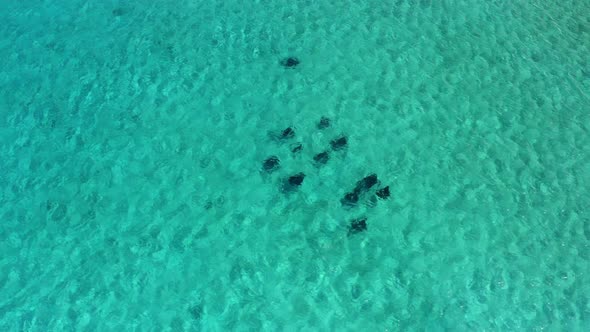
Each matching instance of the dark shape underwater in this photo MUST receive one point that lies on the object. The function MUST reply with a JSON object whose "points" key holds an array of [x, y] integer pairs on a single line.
{"points": [[339, 143], [290, 62], [321, 158], [366, 183], [357, 226], [271, 164], [293, 182], [324, 123], [350, 199], [361, 187], [383, 193], [283, 135], [287, 133], [297, 147]]}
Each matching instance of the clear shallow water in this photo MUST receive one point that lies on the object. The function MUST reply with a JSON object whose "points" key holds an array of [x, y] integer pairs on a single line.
{"points": [[132, 137]]}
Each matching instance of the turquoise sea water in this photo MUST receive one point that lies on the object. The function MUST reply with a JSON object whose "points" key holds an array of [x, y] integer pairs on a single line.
{"points": [[132, 136]]}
